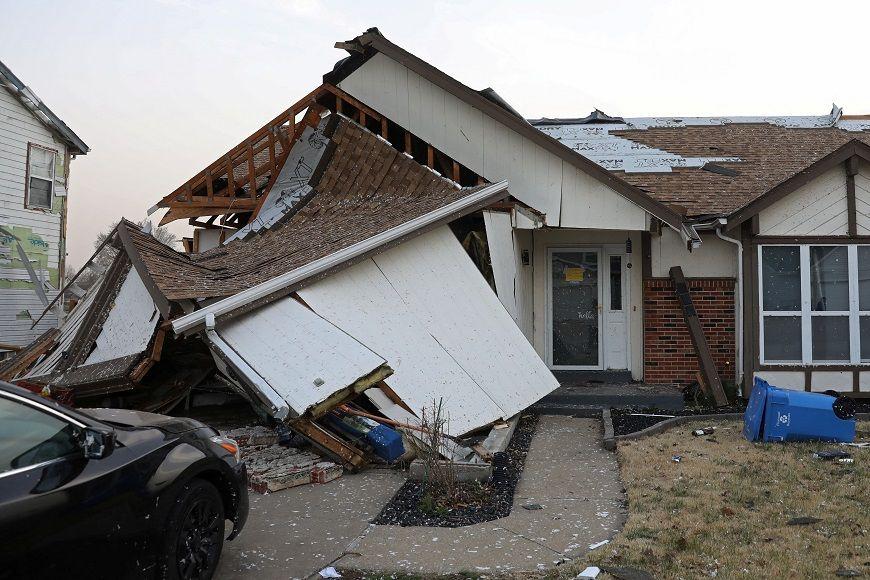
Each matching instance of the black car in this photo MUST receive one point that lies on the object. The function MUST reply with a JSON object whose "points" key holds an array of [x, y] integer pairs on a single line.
{"points": [[108, 493]]}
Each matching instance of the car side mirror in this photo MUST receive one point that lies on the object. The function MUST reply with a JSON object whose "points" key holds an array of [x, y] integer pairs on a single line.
{"points": [[97, 443]]}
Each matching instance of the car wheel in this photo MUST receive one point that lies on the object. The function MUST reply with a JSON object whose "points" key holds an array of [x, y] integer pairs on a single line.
{"points": [[195, 533]]}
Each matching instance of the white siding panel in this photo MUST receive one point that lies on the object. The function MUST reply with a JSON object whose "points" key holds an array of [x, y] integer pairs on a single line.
{"points": [[130, 325], [792, 380], [490, 148], [715, 258], [525, 282], [587, 203], [862, 198], [499, 237], [817, 208], [302, 356], [466, 319], [16, 330], [361, 301], [426, 309], [826, 380]]}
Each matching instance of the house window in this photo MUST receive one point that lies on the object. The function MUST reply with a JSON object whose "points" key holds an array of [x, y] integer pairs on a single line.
{"points": [[815, 304], [40, 176]]}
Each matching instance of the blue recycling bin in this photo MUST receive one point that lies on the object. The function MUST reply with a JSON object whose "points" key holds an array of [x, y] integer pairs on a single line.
{"points": [[775, 414]]}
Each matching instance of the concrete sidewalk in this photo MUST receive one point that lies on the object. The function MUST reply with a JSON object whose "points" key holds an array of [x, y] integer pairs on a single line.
{"points": [[296, 532], [567, 472]]}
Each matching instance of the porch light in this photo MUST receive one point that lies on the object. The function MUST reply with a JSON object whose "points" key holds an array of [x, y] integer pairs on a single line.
{"points": [[628, 246]]}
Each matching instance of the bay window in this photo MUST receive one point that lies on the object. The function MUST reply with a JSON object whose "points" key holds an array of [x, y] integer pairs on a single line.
{"points": [[815, 304]]}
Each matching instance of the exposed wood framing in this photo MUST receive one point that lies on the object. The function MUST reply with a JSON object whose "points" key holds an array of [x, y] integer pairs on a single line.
{"points": [[711, 382], [153, 357], [351, 457]]}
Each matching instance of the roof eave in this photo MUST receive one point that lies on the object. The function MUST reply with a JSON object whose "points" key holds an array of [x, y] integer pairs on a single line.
{"points": [[41, 111]]}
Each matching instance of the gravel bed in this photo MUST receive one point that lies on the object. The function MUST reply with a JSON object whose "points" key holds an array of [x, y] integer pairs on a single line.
{"points": [[627, 420], [404, 508]]}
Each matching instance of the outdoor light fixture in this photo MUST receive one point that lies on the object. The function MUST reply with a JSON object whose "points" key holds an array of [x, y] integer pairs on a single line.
{"points": [[628, 246]]}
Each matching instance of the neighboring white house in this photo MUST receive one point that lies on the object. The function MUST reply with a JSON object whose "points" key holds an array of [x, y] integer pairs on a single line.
{"points": [[35, 152]]}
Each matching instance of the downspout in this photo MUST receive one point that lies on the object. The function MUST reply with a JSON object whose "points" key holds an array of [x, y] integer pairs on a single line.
{"points": [[738, 308]]}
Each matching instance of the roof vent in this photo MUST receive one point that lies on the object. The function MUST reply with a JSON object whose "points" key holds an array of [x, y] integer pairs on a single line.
{"points": [[720, 169]]}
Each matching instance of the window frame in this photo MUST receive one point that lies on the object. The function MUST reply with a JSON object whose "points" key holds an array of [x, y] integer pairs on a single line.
{"points": [[806, 314], [27, 176], [43, 409]]}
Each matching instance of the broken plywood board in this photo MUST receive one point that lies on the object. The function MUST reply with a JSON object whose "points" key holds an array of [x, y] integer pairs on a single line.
{"points": [[425, 308], [303, 357]]}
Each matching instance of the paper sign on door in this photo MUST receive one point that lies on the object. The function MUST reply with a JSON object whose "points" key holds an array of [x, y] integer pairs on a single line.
{"points": [[574, 274]]}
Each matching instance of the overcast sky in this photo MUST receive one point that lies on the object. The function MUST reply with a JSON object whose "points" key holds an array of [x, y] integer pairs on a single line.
{"points": [[159, 89]]}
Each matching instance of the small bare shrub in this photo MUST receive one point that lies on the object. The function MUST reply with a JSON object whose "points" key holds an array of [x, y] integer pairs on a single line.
{"points": [[440, 484]]}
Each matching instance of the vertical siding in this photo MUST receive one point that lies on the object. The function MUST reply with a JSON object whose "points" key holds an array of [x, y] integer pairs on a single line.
{"points": [[490, 148], [18, 127], [818, 208], [862, 198]]}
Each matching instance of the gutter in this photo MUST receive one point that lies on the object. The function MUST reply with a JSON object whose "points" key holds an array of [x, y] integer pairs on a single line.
{"points": [[271, 289]]}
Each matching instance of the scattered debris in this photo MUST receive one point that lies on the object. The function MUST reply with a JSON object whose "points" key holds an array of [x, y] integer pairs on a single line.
{"points": [[802, 521], [829, 455], [847, 573], [532, 506], [590, 572], [676, 458], [598, 544], [273, 468], [329, 572], [704, 431]]}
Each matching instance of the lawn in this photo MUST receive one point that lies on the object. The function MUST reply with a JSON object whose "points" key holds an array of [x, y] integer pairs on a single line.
{"points": [[723, 509]]}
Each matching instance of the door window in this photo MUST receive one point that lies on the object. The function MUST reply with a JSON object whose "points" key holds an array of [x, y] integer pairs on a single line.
{"points": [[29, 436], [616, 282], [574, 285]]}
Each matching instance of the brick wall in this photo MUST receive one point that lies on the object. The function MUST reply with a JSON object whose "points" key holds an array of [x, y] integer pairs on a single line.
{"points": [[668, 353]]}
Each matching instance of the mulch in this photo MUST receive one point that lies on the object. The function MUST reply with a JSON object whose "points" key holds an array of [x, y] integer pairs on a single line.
{"points": [[404, 509]]}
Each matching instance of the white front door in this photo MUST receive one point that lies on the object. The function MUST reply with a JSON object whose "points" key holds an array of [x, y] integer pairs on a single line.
{"points": [[587, 310]]}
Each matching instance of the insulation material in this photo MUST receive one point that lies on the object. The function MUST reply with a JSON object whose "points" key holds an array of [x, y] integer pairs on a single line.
{"points": [[291, 185], [130, 324], [304, 358], [425, 307]]}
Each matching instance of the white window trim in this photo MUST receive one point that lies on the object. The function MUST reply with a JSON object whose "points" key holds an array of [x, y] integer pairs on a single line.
{"points": [[28, 176], [806, 313]]}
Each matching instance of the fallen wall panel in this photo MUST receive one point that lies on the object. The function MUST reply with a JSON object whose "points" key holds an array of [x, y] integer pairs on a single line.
{"points": [[304, 358], [426, 309]]}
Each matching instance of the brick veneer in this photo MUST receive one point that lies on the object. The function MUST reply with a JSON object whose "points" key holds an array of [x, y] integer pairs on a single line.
{"points": [[668, 353]]}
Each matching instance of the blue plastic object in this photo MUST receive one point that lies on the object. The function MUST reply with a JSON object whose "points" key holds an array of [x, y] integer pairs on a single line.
{"points": [[775, 414], [386, 442]]}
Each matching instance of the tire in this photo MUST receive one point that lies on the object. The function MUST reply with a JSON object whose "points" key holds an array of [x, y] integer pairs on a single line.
{"points": [[194, 533]]}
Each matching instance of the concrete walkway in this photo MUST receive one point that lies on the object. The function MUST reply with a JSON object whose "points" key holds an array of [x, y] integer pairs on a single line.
{"points": [[296, 532], [567, 472]]}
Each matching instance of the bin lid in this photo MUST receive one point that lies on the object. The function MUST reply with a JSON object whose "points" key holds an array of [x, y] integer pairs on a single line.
{"points": [[753, 417]]}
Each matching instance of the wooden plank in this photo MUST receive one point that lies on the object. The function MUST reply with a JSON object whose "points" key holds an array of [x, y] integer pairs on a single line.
{"points": [[711, 381], [456, 171], [384, 127], [430, 157], [408, 143], [26, 356], [348, 455]]}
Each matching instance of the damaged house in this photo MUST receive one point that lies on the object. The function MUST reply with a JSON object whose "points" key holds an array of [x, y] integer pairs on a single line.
{"points": [[396, 237], [36, 148]]}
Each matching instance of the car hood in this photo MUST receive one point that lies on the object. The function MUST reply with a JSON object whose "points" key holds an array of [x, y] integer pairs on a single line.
{"points": [[128, 418]]}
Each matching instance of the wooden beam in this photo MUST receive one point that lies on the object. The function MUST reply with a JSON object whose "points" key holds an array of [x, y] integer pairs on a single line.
{"points": [[711, 383], [384, 127], [430, 157], [351, 457], [408, 143], [26, 356], [456, 171]]}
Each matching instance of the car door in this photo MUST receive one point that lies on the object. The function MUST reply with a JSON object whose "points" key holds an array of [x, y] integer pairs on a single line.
{"points": [[57, 512]]}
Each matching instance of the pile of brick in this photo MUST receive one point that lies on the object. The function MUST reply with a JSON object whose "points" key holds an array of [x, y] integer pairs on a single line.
{"points": [[273, 467]]}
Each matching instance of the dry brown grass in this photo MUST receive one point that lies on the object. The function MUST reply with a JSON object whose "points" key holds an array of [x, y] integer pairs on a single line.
{"points": [[722, 510]]}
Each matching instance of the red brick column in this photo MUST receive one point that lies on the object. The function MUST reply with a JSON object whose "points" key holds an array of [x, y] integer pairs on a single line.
{"points": [[667, 347]]}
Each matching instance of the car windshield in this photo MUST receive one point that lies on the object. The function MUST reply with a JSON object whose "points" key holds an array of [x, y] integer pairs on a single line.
{"points": [[29, 436]]}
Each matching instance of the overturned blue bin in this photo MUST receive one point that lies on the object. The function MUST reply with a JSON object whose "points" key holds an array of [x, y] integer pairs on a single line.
{"points": [[775, 414]]}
